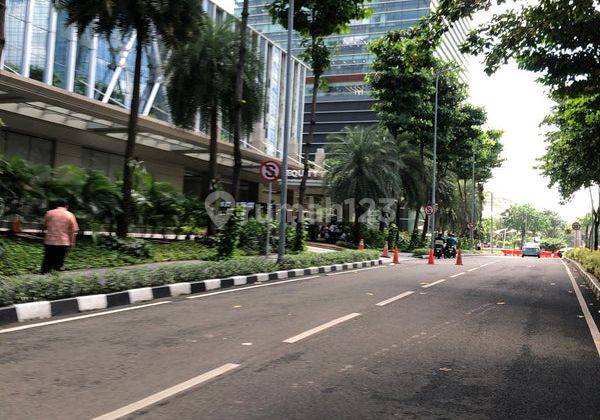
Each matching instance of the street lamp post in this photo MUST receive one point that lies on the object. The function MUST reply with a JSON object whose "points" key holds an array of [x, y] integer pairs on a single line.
{"points": [[473, 204], [287, 134], [434, 175]]}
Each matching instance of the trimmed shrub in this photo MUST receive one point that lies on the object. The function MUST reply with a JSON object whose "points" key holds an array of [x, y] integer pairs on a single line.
{"points": [[590, 260], [230, 234], [299, 242], [314, 259], [420, 251], [392, 237], [374, 238], [253, 237]]}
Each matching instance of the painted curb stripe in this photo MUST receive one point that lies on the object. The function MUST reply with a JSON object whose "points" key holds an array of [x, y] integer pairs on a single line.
{"points": [[179, 289], [47, 309], [160, 292], [8, 315], [64, 307], [117, 299], [93, 302]]}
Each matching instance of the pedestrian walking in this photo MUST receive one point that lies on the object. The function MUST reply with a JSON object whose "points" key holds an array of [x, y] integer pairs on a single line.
{"points": [[61, 229]]}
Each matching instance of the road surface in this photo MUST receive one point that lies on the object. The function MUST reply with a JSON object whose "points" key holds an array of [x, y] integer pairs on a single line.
{"points": [[495, 338]]}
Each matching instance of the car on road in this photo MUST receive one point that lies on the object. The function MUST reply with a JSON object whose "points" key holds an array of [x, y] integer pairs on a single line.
{"points": [[531, 250]]}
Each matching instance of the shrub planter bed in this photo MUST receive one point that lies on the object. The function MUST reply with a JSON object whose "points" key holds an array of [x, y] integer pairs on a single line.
{"points": [[35, 297]]}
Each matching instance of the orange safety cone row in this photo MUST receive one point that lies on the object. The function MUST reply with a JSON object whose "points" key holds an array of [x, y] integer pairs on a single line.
{"points": [[386, 251], [431, 258], [459, 258], [396, 257], [361, 245]]}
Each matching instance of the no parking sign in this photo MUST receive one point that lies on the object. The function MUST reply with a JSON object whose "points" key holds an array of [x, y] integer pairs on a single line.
{"points": [[270, 171]]}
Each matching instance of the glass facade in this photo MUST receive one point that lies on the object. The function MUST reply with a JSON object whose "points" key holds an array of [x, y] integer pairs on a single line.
{"points": [[36, 150], [41, 46], [351, 56], [347, 101]]}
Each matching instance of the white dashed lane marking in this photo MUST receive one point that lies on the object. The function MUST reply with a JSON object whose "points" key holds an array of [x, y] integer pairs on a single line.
{"points": [[320, 328]]}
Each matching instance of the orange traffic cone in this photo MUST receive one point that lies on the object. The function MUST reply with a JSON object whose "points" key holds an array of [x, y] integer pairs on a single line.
{"points": [[431, 258], [459, 258], [361, 245], [396, 259], [386, 251]]}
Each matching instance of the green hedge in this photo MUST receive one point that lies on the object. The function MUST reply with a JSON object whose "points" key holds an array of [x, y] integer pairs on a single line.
{"points": [[420, 251], [30, 288], [313, 259], [590, 260]]}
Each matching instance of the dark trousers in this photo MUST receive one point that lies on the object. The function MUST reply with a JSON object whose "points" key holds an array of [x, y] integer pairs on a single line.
{"points": [[54, 258]]}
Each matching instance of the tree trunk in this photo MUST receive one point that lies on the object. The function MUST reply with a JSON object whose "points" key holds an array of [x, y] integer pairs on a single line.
{"points": [[239, 102], [125, 218], [311, 138], [596, 230], [425, 229], [2, 18], [357, 233], [415, 232], [213, 151], [522, 238]]}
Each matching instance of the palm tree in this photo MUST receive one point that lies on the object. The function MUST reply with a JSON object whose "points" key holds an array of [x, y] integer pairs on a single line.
{"points": [[2, 17], [201, 78], [412, 174], [363, 164], [173, 20], [239, 101]]}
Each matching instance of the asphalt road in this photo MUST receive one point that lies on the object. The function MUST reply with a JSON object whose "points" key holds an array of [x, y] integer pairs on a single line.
{"points": [[505, 339]]}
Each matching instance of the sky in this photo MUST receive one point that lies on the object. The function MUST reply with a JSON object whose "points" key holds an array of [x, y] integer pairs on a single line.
{"points": [[516, 104]]}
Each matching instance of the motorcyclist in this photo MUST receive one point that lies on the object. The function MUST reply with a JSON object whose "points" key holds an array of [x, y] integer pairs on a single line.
{"points": [[451, 240], [451, 245], [439, 245]]}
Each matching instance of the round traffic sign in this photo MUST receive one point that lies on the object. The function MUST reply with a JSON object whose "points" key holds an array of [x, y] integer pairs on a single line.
{"points": [[270, 171], [429, 210], [576, 226]]}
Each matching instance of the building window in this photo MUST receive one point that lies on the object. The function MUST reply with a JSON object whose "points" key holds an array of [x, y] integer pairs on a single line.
{"points": [[34, 149], [109, 164]]}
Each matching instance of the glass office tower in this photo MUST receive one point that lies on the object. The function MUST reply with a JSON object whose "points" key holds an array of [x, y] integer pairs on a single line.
{"points": [[347, 100]]}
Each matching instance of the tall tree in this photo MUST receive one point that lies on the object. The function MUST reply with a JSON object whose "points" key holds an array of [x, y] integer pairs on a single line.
{"points": [[201, 76], [524, 219], [361, 166], [239, 101], [315, 20], [174, 21], [2, 20]]}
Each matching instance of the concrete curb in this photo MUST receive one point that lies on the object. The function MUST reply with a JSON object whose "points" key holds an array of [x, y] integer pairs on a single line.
{"points": [[22, 312], [592, 281]]}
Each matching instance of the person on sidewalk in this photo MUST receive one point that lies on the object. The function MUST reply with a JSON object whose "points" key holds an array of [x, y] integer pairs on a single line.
{"points": [[61, 229]]}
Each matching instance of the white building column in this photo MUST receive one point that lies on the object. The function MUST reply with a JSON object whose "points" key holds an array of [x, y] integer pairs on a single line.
{"points": [[71, 59], [27, 35], [92, 65], [50, 46]]}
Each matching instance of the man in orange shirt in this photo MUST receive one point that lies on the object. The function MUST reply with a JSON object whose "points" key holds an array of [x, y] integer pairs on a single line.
{"points": [[61, 228]]}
